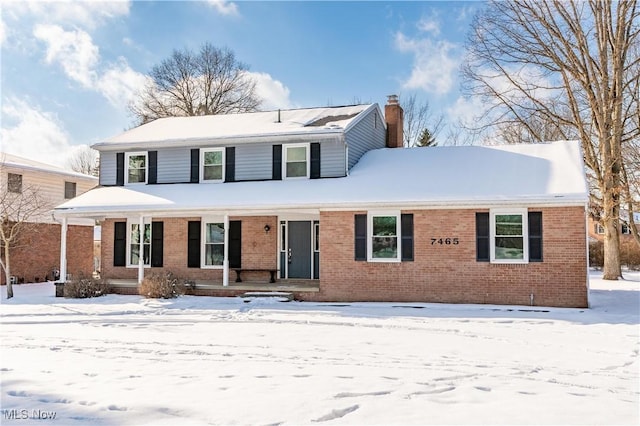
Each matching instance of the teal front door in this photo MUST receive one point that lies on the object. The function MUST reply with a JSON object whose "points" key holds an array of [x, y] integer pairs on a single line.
{"points": [[299, 249]]}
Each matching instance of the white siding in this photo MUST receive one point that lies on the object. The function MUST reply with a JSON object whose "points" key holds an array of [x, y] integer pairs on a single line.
{"points": [[174, 165], [332, 159], [254, 162], [108, 168]]}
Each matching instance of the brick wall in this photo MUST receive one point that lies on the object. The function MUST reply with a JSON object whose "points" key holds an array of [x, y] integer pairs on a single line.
{"points": [[259, 250], [39, 252], [450, 273]]}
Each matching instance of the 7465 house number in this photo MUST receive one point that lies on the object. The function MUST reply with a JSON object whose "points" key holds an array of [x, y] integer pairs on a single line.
{"points": [[445, 241]]}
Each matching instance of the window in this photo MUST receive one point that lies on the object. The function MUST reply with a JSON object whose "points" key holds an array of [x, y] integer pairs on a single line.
{"points": [[212, 165], [14, 183], [296, 161], [508, 236], [69, 190], [134, 244], [136, 164], [383, 230], [599, 229], [626, 229], [213, 244]]}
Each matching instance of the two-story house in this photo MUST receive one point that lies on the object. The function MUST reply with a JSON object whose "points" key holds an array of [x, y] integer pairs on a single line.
{"points": [[37, 254], [326, 203]]}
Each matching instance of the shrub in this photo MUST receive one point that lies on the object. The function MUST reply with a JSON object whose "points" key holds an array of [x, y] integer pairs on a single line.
{"points": [[161, 286], [630, 253], [84, 287], [596, 254]]}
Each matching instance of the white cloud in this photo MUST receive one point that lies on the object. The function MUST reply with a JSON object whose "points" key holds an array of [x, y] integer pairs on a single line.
{"points": [[434, 63], [3, 31], [88, 14], [429, 25], [75, 52], [35, 134], [224, 7], [273, 92]]}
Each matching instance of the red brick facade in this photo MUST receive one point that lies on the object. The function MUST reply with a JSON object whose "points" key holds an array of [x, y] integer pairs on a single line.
{"points": [[438, 273], [39, 253]]}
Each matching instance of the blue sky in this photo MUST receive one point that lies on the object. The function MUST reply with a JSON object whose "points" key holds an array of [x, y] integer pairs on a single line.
{"points": [[69, 69]]}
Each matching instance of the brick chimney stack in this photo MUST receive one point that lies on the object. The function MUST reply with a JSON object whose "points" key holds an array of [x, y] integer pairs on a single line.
{"points": [[394, 116]]}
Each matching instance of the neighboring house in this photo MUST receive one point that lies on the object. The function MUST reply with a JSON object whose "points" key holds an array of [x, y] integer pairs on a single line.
{"points": [[329, 201], [38, 255], [596, 230]]}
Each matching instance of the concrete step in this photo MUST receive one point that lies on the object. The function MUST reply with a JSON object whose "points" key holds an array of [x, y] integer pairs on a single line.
{"points": [[281, 295]]}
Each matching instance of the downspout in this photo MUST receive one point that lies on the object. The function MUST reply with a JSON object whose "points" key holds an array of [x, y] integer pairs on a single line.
{"points": [[225, 262]]}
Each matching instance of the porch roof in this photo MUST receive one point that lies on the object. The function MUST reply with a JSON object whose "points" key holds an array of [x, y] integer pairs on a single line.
{"points": [[472, 176]]}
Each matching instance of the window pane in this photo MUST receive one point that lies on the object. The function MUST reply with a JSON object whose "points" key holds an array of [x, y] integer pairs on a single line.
{"points": [[214, 233], [384, 248], [147, 234], [212, 173], [213, 158], [134, 254], [297, 154], [214, 254], [509, 248], [296, 169], [384, 225], [135, 236], [509, 224], [137, 175], [137, 162], [14, 183], [146, 254]]}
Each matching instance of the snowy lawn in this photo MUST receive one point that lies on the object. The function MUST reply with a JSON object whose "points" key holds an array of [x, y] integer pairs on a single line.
{"points": [[125, 360]]}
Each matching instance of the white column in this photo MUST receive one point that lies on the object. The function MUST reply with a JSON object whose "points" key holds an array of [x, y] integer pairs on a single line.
{"points": [[63, 250], [225, 262], [141, 250]]}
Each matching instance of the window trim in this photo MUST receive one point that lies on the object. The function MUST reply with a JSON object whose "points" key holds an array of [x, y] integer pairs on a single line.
{"points": [[203, 151], [370, 216], [524, 214], [285, 156], [130, 223], [203, 241], [128, 155]]}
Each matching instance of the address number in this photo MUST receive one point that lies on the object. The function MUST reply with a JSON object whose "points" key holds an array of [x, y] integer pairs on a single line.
{"points": [[445, 241]]}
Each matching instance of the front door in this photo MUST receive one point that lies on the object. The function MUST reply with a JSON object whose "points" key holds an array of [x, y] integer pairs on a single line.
{"points": [[299, 249]]}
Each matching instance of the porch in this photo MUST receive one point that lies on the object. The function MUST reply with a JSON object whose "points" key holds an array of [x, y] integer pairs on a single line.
{"points": [[216, 288]]}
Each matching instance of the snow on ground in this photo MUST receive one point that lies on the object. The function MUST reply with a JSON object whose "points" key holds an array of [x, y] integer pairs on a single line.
{"points": [[125, 360]]}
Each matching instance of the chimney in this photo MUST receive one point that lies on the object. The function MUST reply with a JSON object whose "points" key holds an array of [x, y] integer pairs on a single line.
{"points": [[394, 116]]}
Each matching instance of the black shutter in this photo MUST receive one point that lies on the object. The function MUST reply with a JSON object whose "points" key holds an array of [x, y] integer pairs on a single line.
{"points": [[120, 244], [277, 162], [315, 160], [361, 237], [482, 237], [230, 164], [157, 249], [535, 236], [193, 244], [406, 229], [153, 167], [120, 168], [235, 244], [195, 167]]}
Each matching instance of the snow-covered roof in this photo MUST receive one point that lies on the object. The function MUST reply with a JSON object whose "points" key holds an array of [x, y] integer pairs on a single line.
{"points": [[11, 160], [239, 127], [550, 173]]}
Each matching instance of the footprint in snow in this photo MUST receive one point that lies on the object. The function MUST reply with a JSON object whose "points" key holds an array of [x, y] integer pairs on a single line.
{"points": [[483, 388], [7, 369], [354, 394], [431, 392], [18, 393], [336, 414], [113, 407]]}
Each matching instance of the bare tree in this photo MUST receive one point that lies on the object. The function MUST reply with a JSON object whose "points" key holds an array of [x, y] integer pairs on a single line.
{"points": [[21, 207], [85, 161], [209, 82], [417, 118], [570, 63]]}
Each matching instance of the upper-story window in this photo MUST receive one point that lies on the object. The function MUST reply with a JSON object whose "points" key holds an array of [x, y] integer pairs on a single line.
{"points": [[136, 167], [296, 161], [625, 229], [212, 162], [69, 190], [14, 183], [599, 229]]}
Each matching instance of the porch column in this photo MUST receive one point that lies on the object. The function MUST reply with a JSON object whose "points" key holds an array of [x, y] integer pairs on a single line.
{"points": [[63, 250], [141, 250], [225, 262]]}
